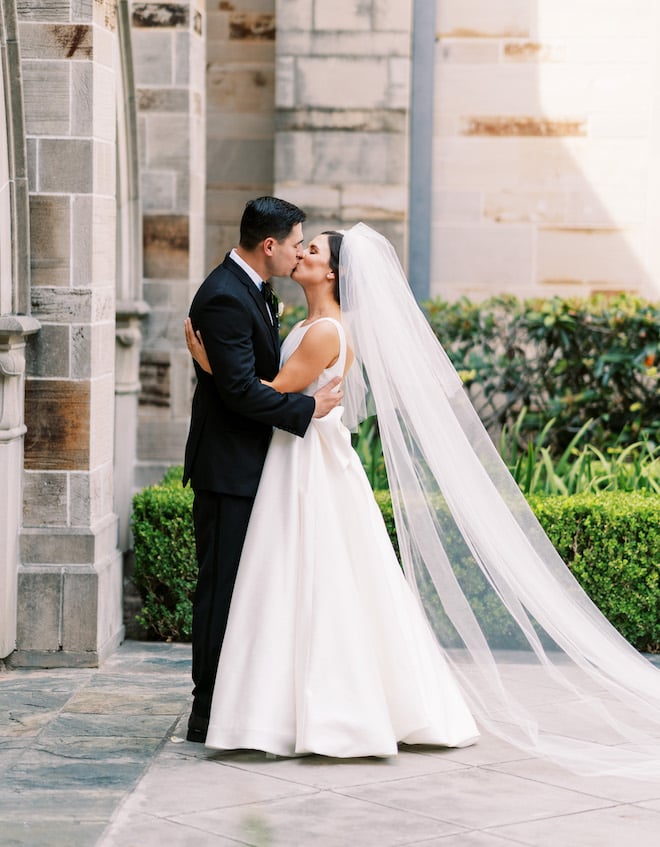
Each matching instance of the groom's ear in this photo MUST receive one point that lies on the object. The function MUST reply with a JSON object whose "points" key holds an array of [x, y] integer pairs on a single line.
{"points": [[268, 244]]}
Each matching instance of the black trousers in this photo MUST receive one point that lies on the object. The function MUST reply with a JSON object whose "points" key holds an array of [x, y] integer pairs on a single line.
{"points": [[221, 522]]}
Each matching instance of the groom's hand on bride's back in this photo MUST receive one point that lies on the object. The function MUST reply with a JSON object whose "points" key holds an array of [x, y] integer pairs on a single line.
{"points": [[327, 398]]}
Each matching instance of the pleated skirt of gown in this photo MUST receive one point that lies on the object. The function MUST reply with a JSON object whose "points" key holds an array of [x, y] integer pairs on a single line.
{"points": [[327, 649]]}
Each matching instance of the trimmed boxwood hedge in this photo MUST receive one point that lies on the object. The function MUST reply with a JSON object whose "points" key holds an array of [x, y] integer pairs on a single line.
{"points": [[165, 565], [610, 541]]}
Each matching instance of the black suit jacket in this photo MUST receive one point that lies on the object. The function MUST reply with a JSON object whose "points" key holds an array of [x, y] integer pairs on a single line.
{"points": [[233, 413]]}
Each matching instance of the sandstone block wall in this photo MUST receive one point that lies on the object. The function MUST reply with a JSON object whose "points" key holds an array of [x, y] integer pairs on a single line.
{"points": [[169, 66], [69, 580], [240, 92], [342, 101], [544, 149]]}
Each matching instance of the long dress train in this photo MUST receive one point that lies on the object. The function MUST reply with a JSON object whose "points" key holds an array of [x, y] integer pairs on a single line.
{"points": [[327, 649]]}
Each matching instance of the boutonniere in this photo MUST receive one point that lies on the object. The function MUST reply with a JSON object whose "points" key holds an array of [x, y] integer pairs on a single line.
{"points": [[280, 308]]}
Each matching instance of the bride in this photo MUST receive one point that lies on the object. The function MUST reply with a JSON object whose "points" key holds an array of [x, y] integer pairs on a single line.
{"points": [[326, 650]]}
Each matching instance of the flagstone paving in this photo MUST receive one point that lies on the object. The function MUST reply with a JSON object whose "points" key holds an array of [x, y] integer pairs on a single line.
{"points": [[98, 758]]}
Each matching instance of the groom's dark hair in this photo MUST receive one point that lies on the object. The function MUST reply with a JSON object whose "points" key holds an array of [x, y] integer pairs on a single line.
{"points": [[268, 217]]}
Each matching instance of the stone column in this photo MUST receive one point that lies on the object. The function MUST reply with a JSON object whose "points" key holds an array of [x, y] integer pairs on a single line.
{"points": [[169, 67], [420, 188], [342, 102], [130, 307], [13, 330], [15, 322], [70, 577]]}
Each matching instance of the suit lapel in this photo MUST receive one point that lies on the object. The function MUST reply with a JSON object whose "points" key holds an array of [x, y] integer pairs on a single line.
{"points": [[256, 296]]}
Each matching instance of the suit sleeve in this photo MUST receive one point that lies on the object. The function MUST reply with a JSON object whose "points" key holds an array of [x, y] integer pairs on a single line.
{"points": [[226, 327]]}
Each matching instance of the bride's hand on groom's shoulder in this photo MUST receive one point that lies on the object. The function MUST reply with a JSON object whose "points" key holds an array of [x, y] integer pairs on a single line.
{"points": [[328, 397], [196, 346]]}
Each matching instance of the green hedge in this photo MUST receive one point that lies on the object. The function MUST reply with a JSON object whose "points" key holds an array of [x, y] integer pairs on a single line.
{"points": [[610, 541], [165, 568]]}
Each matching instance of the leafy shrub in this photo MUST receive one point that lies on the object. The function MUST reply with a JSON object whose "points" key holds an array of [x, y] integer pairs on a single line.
{"points": [[537, 469], [173, 476], [569, 360], [582, 363], [165, 569], [579, 467], [610, 542], [366, 443], [290, 317]]}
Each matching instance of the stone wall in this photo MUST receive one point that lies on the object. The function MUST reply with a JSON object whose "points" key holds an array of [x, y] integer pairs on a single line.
{"points": [[240, 96], [342, 100], [6, 265], [69, 580], [545, 160], [169, 66], [130, 309], [16, 324]]}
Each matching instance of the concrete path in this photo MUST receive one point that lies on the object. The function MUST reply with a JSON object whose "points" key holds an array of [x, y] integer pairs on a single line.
{"points": [[96, 758]]}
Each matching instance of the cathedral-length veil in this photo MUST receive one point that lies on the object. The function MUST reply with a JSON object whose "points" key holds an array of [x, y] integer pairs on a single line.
{"points": [[493, 587]]}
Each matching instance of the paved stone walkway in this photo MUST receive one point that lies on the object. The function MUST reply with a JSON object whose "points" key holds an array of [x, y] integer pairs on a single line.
{"points": [[96, 758]]}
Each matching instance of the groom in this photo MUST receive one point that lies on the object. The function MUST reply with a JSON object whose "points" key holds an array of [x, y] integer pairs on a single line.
{"points": [[233, 414]]}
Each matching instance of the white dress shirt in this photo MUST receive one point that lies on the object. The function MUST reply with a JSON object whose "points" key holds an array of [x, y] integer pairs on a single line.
{"points": [[250, 271]]}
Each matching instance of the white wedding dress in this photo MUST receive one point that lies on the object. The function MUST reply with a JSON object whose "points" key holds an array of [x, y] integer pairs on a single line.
{"points": [[327, 649]]}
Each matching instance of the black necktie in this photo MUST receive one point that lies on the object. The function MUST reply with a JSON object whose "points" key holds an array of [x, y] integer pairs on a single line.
{"points": [[271, 300]]}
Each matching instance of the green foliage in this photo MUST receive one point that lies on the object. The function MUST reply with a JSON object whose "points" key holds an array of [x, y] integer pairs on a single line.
{"points": [[173, 476], [578, 467], [367, 445], [290, 317], [165, 569], [574, 361], [497, 624], [591, 361], [546, 375], [610, 542], [384, 501]]}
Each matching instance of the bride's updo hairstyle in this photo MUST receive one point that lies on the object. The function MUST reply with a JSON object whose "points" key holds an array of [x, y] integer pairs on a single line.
{"points": [[334, 242]]}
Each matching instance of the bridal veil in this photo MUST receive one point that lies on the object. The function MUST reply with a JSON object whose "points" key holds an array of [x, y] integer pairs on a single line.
{"points": [[494, 589]]}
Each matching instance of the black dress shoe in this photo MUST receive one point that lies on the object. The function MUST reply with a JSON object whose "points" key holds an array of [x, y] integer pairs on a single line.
{"points": [[197, 728]]}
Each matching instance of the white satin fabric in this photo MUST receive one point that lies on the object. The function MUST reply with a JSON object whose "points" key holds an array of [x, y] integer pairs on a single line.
{"points": [[327, 649]]}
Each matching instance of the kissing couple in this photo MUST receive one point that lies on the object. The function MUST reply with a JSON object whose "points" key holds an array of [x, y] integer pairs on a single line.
{"points": [[308, 635]]}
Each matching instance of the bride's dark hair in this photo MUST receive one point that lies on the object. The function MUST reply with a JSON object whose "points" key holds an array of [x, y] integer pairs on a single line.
{"points": [[334, 242]]}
